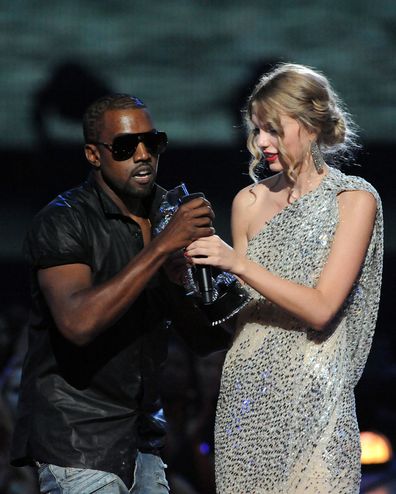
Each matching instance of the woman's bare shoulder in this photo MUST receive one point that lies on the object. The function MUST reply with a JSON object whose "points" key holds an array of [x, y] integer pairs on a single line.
{"points": [[258, 191]]}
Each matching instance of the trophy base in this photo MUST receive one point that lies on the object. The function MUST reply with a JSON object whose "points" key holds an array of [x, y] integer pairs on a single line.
{"points": [[227, 305]]}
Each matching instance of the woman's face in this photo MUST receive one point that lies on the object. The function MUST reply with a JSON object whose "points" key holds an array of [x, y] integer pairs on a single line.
{"points": [[296, 142]]}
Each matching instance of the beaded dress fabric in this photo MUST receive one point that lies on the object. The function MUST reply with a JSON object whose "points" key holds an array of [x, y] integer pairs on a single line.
{"points": [[286, 420]]}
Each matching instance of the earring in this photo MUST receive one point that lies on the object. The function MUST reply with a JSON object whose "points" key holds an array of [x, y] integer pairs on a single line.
{"points": [[317, 157]]}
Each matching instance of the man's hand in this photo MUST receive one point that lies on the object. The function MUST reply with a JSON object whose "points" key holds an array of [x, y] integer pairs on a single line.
{"points": [[176, 267], [191, 221]]}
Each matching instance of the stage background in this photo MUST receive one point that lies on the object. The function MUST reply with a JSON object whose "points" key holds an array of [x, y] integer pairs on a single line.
{"points": [[193, 62]]}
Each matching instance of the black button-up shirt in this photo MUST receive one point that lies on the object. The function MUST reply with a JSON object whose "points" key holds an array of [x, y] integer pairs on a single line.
{"points": [[92, 406]]}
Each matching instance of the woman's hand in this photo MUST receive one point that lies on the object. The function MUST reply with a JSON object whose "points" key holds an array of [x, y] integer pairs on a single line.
{"points": [[213, 251]]}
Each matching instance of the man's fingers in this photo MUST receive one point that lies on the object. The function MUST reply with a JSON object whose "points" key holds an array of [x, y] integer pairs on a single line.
{"points": [[199, 207]]}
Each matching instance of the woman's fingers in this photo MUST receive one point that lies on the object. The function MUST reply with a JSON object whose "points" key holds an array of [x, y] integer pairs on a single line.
{"points": [[211, 251], [200, 248]]}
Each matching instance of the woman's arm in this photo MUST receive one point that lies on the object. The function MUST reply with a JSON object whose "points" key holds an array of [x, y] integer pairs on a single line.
{"points": [[316, 306], [243, 202]]}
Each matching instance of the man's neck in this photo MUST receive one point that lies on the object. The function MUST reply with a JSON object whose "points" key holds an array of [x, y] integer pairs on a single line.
{"points": [[129, 206]]}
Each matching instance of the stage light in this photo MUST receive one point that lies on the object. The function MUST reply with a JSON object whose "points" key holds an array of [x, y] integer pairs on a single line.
{"points": [[204, 449], [376, 448]]}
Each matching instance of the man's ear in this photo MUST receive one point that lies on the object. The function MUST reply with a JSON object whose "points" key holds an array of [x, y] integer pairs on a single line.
{"points": [[92, 155]]}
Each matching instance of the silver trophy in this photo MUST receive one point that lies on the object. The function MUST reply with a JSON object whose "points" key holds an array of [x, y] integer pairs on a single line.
{"points": [[219, 295]]}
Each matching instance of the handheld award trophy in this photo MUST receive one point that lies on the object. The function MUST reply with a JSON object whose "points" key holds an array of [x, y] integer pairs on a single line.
{"points": [[220, 297]]}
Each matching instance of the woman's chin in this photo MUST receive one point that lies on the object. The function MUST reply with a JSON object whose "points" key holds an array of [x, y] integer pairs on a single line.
{"points": [[275, 166]]}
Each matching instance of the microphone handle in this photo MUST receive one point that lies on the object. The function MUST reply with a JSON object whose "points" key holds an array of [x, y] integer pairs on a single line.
{"points": [[204, 273], [205, 283]]}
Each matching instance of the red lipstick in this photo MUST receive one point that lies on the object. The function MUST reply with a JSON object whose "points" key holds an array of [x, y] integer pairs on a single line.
{"points": [[270, 157]]}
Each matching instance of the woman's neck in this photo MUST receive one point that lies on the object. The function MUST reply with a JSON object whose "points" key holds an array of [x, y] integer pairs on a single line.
{"points": [[307, 179]]}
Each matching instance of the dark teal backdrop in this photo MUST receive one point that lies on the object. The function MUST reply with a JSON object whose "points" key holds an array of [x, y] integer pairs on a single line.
{"points": [[193, 62]]}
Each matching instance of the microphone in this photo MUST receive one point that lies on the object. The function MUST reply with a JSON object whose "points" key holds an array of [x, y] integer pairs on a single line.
{"points": [[204, 273], [205, 283]]}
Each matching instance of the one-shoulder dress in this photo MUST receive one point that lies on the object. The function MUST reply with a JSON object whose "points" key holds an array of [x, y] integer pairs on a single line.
{"points": [[286, 420]]}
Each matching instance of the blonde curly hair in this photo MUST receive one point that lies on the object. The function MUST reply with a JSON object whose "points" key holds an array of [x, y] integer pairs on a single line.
{"points": [[306, 95]]}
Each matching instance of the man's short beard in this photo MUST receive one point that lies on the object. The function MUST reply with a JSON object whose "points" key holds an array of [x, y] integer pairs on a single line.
{"points": [[140, 193]]}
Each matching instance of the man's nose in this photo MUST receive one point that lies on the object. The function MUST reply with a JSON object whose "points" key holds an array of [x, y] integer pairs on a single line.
{"points": [[141, 153]]}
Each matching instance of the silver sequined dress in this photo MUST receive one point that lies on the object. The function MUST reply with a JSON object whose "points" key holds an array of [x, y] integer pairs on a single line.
{"points": [[286, 420]]}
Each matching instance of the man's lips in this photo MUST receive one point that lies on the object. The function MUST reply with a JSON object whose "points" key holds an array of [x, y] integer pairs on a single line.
{"points": [[143, 174]]}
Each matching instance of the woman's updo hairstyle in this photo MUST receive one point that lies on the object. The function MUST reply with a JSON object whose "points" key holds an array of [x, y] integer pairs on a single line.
{"points": [[307, 96]]}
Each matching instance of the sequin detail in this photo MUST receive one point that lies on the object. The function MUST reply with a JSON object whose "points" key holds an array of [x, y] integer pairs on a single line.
{"points": [[286, 420]]}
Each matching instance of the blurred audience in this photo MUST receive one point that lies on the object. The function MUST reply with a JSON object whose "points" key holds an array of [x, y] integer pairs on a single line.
{"points": [[12, 350], [189, 387], [189, 391]]}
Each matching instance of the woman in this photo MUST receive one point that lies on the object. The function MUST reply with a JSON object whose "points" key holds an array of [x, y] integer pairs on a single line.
{"points": [[308, 245]]}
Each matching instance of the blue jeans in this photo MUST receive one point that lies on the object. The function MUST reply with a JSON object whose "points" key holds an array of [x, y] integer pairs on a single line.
{"points": [[149, 478]]}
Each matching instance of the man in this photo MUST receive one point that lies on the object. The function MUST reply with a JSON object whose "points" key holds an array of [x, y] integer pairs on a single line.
{"points": [[90, 417]]}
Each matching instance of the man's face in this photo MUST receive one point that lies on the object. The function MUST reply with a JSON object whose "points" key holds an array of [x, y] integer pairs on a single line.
{"points": [[135, 176]]}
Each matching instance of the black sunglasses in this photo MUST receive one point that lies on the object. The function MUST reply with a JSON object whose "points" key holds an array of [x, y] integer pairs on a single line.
{"points": [[124, 146]]}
